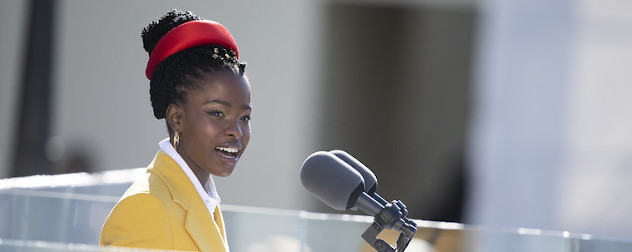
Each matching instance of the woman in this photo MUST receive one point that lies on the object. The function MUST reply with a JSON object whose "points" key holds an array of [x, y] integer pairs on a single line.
{"points": [[200, 88]]}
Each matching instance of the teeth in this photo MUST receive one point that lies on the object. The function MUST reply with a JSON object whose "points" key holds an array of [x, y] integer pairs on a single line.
{"points": [[226, 149]]}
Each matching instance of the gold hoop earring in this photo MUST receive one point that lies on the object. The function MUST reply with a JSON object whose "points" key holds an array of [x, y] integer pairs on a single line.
{"points": [[176, 140]]}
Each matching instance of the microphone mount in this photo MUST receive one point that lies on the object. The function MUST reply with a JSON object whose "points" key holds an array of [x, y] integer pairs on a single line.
{"points": [[388, 218]]}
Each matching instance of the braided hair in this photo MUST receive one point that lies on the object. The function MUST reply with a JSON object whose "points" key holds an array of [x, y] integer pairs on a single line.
{"points": [[179, 73]]}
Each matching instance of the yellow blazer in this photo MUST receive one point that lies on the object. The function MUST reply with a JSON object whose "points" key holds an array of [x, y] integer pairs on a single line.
{"points": [[162, 210]]}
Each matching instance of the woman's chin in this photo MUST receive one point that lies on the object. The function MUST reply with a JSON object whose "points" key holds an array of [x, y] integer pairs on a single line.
{"points": [[224, 172]]}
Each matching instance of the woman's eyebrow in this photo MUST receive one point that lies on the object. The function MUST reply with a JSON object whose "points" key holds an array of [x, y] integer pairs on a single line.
{"points": [[221, 102], [228, 104]]}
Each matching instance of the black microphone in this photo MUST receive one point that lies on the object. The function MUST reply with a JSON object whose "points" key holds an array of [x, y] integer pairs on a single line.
{"points": [[370, 180], [339, 185], [331, 180]]}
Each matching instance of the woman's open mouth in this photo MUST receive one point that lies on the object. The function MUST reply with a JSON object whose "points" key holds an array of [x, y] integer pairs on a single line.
{"points": [[227, 152]]}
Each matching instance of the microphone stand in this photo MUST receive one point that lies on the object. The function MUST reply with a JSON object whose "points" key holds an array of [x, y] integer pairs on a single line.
{"points": [[389, 218]]}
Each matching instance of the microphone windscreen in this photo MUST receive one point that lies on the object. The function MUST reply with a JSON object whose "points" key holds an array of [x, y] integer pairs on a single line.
{"points": [[370, 181], [331, 180]]}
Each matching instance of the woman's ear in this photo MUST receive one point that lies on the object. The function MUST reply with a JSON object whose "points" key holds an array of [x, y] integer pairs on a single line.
{"points": [[174, 117]]}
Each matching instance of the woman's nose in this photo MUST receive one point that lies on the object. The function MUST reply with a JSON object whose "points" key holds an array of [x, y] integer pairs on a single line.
{"points": [[234, 129]]}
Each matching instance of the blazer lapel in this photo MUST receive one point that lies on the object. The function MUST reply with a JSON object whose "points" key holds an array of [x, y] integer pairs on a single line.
{"points": [[208, 235], [204, 231], [219, 220]]}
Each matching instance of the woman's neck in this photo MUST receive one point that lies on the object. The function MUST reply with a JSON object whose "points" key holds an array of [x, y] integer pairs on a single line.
{"points": [[201, 174]]}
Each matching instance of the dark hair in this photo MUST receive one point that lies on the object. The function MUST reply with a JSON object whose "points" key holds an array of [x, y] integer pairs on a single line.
{"points": [[178, 73]]}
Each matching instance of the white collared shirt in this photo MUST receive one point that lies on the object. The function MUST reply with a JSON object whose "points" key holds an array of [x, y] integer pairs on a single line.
{"points": [[208, 192]]}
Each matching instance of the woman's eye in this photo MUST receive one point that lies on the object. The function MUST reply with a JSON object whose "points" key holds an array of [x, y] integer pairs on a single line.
{"points": [[216, 113], [246, 118]]}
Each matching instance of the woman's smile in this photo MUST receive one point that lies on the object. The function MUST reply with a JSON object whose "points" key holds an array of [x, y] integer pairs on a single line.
{"points": [[230, 154]]}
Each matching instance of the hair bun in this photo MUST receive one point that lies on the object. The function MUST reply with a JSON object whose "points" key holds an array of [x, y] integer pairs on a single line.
{"points": [[156, 29]]}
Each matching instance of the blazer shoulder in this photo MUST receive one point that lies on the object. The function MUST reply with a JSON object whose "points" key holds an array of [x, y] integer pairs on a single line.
{"points": [[149, 183]]}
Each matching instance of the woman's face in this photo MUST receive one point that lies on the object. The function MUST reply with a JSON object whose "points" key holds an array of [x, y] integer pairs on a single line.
{"points": [[215, 124]]}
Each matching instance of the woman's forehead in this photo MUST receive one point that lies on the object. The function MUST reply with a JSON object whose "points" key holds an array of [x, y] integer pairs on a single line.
{"points": [[228, 89]]}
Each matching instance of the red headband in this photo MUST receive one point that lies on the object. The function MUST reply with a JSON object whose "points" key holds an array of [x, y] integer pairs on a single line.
{"points": [[187, 35]]}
